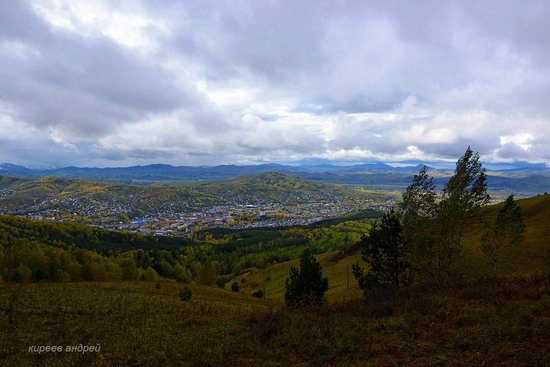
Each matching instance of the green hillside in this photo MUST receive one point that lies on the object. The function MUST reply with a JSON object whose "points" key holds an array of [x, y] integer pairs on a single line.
{"points": [[532, 257], [272, 187], [84, 196]]}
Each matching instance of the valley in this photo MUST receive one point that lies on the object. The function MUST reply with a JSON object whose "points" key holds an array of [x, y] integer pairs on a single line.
{"points": [[265, 200]]}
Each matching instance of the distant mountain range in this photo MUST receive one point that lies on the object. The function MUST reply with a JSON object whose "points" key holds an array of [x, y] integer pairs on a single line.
{"points": [[165, 172], [527, 180]]}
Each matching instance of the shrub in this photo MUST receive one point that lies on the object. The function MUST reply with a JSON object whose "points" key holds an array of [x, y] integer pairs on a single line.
{"points": [[150, 275], [258, 294], [220, 282], [185, 294], [235, 287], [61, 276], [23, 274]]}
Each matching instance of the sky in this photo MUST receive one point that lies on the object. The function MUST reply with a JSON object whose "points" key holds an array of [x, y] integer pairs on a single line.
{"points": [[117, 83]]}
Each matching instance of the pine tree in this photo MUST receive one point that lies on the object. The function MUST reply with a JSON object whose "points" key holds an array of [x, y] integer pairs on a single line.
{"points": [[386, 254], [306, 286], [506, 231]]}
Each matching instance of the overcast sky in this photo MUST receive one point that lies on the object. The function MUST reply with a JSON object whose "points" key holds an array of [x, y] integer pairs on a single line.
{"points": [[115, 83]]}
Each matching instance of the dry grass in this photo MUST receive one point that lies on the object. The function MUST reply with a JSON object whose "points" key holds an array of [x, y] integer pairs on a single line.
{"points": [[504, 323]]}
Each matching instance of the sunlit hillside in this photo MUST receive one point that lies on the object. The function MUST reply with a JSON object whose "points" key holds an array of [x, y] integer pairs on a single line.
{"points": [[531, 257]]}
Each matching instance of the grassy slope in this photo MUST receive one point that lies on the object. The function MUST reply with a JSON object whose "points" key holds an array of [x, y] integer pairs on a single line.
{"points": [[531, 257], [135, 323], [505, 323], [334, 269]]}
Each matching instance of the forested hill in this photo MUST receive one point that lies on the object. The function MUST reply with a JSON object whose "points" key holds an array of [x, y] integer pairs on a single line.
{"points": [[272, 187], [82, 196], [67, 235], [107, 198]]}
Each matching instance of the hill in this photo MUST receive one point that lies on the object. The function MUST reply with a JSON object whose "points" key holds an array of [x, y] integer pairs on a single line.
{"points": [[532, 257], [67, 235], [93, 198], [140, 324], [272, 187]]}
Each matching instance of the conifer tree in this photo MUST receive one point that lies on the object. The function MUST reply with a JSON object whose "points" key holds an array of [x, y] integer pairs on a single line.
{"points": [[306, 286], [386, 254]]}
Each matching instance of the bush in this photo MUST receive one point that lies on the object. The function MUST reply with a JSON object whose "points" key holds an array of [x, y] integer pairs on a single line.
{"points": [[185, 294], [220, 282], [235, 287], [258, 294], [61, 276], [150, 275], [23, 274]]}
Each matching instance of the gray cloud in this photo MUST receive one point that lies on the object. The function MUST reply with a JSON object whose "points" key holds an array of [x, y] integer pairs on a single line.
{"points": [[224, 81]]}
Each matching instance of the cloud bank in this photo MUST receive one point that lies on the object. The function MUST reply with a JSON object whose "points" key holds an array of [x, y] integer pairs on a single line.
{"points": [[110, 83]]}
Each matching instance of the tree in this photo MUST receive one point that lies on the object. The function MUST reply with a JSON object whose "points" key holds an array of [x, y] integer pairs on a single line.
{"points": [[505, 232], [150, 275], [306, 286], [235, 287], [418, 212], [185, 294], [128, 267], [386, 254], [462, 196], [23, 273]]}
